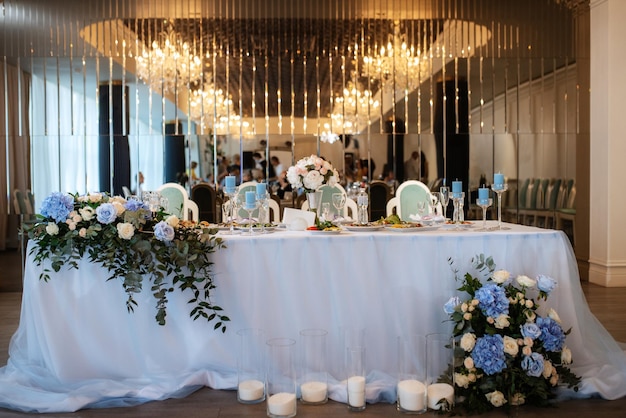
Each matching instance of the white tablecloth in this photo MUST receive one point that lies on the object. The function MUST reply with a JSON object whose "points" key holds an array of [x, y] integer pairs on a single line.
{"points": [[76, 346]]}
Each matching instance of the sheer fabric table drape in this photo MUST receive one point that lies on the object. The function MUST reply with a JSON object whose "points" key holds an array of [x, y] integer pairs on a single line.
{"points": [[76, 345]]}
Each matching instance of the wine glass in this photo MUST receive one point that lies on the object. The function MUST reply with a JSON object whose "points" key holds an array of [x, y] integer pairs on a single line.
{"points": [[421, 208], [484, 204], [263, 199], [444, 196], [233, 195], [434, 203], [339, 201]]}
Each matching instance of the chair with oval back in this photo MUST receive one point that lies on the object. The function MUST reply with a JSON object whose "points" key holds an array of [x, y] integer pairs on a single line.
{"points": [[349, 210], [380, 193], [405, 201], [178, 202], [206, 198]]}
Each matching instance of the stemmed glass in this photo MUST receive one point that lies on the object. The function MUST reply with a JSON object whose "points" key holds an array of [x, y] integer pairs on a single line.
{"points": [[499, 189], [339, 201], [444, 196], [434, 202], [232, 206], [484, 204], [264, 204], [250, 207], [325, 210]]}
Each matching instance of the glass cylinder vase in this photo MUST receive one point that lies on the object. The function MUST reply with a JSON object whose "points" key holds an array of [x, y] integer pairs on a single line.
{"points": [[281, 378], [439, 370], [314, 376], [314, 200], [411, 388], [251, 366]]}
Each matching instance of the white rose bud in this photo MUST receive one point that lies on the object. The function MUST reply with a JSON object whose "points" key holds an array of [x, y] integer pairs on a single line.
{"points": [[496, 398], [527, 351], [461, 380], [468, 362], [82, 233], [529, 303], [125, 230], [554, 380], [526, 281], [502, 321], [566, 356], [52, 228], [510, 346], [72, 226], [475, 302], [518, 399], [554, 316], [471, 377], [467, 316], [468, 341], [528, 341], [119, 208], [95, 197], [547, 369], [172, 221], [464, 307], [501, 276]]}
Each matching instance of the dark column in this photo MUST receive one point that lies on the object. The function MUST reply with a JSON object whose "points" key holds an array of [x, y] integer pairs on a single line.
{"points": [[114, 170], [174, 154], [395, 148], [453, 158]]}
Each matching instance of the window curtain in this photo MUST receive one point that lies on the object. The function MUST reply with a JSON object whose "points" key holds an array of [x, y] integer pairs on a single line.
{"points": [[14, 149]]}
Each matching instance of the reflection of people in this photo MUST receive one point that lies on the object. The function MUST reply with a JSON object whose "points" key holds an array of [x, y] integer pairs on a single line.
{"points": [[412, 167], [389, 177], [283, 185], [192, 174], [140, 180], [277, 166], [261, 164]]}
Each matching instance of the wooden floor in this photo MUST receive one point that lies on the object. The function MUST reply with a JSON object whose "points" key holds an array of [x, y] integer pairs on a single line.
{"points": [[607, 304]]}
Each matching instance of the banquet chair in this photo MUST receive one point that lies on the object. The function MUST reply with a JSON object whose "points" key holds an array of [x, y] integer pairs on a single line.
{"points": [[380, 193], [246, 186], [178, 202], [23, 205], [349, 209], [566, 215], [404, 203], [208, 202]]}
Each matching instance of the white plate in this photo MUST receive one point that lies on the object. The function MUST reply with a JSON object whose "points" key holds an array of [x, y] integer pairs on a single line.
{"points": [[412, 228], [466, 225], [358, 228], [324, 232]]}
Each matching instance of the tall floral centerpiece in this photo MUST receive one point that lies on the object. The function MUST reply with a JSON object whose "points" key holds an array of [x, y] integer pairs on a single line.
{"points": [[134, 244], [309, 174], [510, 350]]}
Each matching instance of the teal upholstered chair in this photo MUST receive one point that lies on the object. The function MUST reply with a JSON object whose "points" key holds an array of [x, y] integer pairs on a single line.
{"points": [[404, 203]]}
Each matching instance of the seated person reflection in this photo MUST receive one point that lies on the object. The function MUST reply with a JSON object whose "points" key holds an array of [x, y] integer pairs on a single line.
{"points": [[283, 185]]}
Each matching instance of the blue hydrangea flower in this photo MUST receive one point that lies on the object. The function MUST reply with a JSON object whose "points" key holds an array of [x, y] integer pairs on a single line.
{"points": [[552, 335], [530, 330], [533, 364], [492, 300], [451, 304], [134, 205], [545, 283], [106, 213], [164, 232], [488, 354], [57, 206]]}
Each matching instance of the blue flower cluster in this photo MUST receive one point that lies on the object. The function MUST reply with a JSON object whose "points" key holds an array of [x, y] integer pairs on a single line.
{"points": [[488, 354], [530, 330], [106, 213], [134, 205], [164, 232], [533, 364], [545, 283], [552, 334], [492, 300], [57, 206]]}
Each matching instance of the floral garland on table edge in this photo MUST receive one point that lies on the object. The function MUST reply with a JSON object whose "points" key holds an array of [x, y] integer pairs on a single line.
{"points": [[507, 353], [132, 243], [311, 172]]}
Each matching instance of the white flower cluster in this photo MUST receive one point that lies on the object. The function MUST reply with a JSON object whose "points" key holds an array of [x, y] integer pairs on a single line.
{"points": [[312, 172]]}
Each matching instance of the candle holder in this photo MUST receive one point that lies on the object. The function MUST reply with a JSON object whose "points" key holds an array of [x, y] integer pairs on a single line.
{"points": [[231, 193], [457, 215], [499, 189], [484, 204], [250, 207], [263, 199]]}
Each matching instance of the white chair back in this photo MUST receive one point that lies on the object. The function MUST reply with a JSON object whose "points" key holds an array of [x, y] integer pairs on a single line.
{"points": [[406, 198]]}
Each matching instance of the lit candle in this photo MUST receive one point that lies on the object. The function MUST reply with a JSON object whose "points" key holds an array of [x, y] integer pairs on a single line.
{"points": [[250, 198], [250, 390], [483, 196], [356, 391], [314, 392], [229, 182], [498, 181], [411, 395], [438, 392], [282, 404], [261, 188]]}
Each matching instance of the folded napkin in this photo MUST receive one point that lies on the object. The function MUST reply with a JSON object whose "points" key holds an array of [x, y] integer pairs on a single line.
{"points": [[290, 214], [427, 219]]}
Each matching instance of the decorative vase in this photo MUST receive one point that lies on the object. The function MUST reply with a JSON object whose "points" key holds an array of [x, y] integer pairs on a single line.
{"points": [[315, 201]]}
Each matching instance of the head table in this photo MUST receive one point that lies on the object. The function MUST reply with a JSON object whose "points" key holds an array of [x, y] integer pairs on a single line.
{"points": [[77, 346]]}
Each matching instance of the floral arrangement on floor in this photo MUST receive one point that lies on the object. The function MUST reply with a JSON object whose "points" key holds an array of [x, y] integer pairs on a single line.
{"points": [[309, 173], [133, 244], [510, 350]]}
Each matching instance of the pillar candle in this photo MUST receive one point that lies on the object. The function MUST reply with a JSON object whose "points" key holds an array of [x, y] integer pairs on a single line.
{"points": [[250, 198], [412, 395], [261, 188], [438, 392], [498, 179], [483, 196], [457, 186], [229, 182]]}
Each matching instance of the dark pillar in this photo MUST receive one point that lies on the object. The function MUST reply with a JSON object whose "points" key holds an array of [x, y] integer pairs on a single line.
{"points": [[395, 147], [114, 170], [452, 142], [174, 154]]}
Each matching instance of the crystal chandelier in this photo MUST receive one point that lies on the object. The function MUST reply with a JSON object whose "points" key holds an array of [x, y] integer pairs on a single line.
{"points": [[209, 105], [169, 64], [398, 65], [353, 110]]}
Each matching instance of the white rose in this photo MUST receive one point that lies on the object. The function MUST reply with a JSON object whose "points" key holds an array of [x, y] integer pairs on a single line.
{"points": [[71, 225], [87, 213], [76, 217], [554, 316], [313, 180], [496, 398], [518, 399], [467, 316], [471, 377], [95, 197], [52, 228], [83, 232], [119, 208], [468, 341], [527, 351], [82, 199], [118, 199], [529, 303], [125, 230], [526, 281], [547, 369], [461, 380], [172, 221], [464, 307], [468, 363], [510, 346], [502, 321], [501, 276], [566, 356]]}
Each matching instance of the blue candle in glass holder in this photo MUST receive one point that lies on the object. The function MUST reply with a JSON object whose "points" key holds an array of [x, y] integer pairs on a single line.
{"points": [[250, 198], [498, 181], [483, 196], [261, 188], [229, 183], [457, 188]]}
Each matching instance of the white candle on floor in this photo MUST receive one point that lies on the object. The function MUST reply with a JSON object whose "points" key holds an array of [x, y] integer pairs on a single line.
{"points": [[411, 395], [282, 404], [314, 392], [250, 390], [439, 391], [356, 391]]}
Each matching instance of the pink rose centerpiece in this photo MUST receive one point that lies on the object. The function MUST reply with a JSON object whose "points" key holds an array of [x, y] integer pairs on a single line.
{"points": [[309, 174]]}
